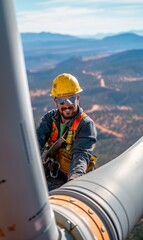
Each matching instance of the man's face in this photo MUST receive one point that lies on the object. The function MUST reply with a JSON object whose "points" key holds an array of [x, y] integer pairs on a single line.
{"points": [[67, 105]]}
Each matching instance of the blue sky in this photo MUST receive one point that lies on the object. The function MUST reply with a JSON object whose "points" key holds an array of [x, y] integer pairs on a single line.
{"points": [[79, 17]]}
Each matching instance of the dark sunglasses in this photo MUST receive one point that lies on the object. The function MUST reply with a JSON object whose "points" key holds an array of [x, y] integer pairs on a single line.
{"points": [[70, 100]]}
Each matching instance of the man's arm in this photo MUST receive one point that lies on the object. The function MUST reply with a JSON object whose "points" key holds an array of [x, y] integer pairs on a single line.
{"points": [[83, 146], [44, 130]]}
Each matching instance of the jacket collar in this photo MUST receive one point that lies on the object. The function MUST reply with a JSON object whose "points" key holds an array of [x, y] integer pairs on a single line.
{"points": [[57, 116]]}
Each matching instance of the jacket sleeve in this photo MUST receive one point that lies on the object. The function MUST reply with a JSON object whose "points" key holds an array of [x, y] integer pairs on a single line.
{"points": [[82, 147], [44, 130]]}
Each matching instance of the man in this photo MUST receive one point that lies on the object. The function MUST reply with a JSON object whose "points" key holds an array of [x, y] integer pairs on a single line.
{"points": [[66, 135]]}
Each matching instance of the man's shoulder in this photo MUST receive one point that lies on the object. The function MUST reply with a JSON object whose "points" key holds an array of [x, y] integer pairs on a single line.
{"points": [[51, 114], [88, 118]]}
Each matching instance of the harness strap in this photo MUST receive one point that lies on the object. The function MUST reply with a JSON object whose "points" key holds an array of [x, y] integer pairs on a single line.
{"points": [[77, 121], [72, 129], [54, 134]]}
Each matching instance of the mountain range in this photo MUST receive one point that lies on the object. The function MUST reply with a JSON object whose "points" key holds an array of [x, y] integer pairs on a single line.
{"points": [[44, 50]]}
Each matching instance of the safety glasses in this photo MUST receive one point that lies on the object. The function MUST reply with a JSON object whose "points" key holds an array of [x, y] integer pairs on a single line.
{"points": [[70, 100]]}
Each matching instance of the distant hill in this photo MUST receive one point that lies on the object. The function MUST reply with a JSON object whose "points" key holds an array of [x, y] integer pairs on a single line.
{"points": [[103, 35], [127, 63], [45, 50]]}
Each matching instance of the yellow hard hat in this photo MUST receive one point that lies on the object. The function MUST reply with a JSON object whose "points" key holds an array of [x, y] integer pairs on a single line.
{"points": [[64, 85]]}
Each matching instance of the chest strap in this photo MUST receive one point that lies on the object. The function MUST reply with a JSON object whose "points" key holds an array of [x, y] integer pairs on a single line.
{"points": [[77, 121], [54, 134], [72, 130]]}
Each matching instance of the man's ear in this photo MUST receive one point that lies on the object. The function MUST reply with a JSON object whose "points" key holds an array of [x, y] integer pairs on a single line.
{"points": [[55, 101]]}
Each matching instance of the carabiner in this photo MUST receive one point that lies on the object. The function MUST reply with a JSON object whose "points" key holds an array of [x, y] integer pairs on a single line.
{"points": [[54, 169]]}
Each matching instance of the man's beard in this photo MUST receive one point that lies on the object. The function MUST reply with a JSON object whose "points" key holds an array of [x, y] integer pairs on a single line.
{"points": [[65, 116]]}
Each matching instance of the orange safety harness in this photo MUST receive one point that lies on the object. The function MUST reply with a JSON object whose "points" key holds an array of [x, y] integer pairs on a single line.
{"points": [[62, 154], [71, 132]]}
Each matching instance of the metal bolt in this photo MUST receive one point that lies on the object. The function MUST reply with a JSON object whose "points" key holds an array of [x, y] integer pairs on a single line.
{"points": [[72, 200], [103, 229], [90, 211]]}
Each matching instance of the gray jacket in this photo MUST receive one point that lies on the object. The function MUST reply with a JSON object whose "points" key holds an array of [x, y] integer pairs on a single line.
{"points": [[86, 136]]}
